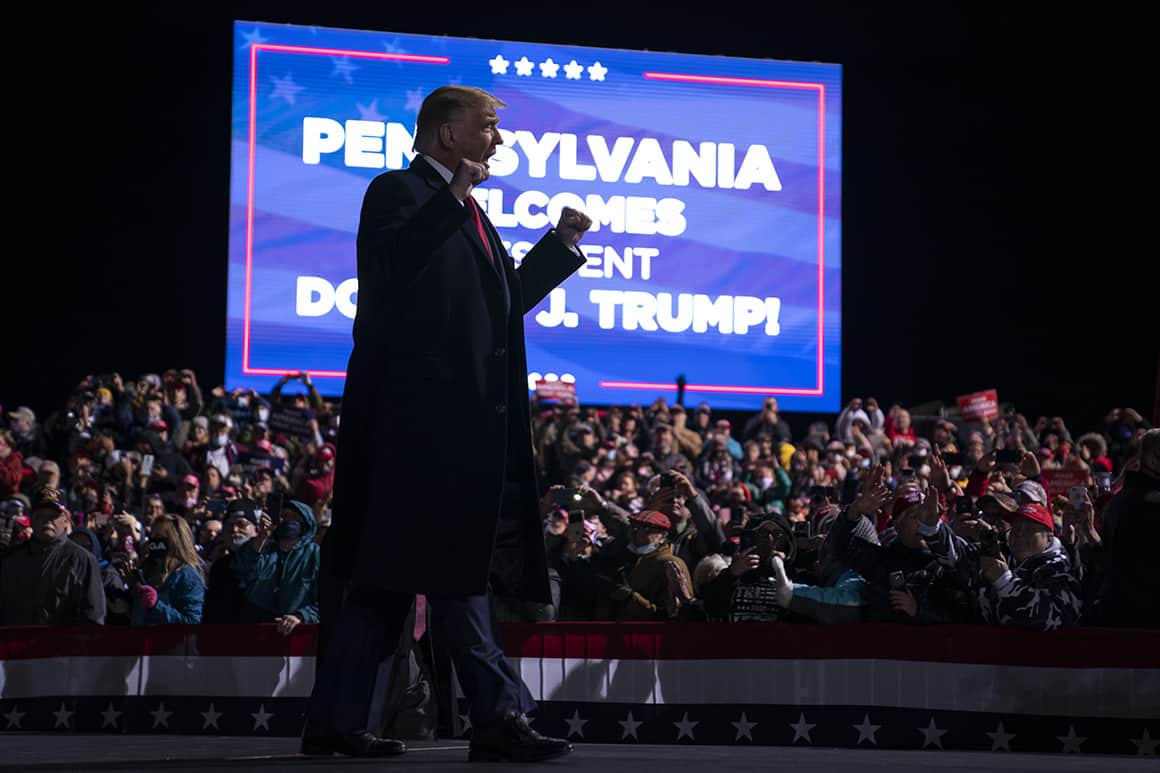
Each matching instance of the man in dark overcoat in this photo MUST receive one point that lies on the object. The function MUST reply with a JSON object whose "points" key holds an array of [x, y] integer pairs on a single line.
{"points": [[438, 359]]}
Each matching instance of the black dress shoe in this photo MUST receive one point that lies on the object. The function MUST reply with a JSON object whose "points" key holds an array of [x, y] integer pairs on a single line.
{"points": [[513, 739], [362, 744]]}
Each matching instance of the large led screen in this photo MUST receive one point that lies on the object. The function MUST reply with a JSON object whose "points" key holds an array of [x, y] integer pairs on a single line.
{"points": [[714, 184]]}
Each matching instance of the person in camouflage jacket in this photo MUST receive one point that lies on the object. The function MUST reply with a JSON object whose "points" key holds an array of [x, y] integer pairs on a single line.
{"points": [[1039, 591]]}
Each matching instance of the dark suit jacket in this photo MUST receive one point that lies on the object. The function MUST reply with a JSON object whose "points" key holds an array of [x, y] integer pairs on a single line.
{"points": [[436, 397]]}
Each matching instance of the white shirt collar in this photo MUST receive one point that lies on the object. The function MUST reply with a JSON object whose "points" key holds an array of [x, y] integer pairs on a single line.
{"points": [[443, 171]]}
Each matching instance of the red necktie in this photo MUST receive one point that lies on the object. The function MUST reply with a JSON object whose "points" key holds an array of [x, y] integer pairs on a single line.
{"points": [[479, 227], [420, 617]]}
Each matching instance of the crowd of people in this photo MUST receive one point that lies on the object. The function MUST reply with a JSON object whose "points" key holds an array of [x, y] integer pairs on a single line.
{"points": [[149, 502]]}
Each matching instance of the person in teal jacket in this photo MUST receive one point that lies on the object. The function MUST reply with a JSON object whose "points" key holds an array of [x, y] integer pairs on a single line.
{"points": [[279, 569], [170, 586]]}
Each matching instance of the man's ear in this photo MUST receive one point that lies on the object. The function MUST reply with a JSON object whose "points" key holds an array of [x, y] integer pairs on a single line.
{"points": [[446, 135]]}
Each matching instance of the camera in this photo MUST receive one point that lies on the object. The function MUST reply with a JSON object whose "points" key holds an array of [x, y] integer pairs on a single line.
{"points": [[668, 480], [275, 501], [897, 581], [990, 544]]}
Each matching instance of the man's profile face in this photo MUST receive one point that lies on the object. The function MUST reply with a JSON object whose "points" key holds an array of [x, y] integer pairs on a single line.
{"points": [[476, 134]]}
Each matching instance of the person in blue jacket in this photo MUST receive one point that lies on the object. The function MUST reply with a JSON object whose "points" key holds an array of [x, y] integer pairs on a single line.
{"points": [[279, 569], [170, 584]]}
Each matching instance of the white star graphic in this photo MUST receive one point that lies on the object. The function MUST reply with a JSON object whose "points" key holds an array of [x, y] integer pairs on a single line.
{"points": [[211, 717], [393, 47], [548, 68], [1001, 739], [867, 731], [63, 716], [596, 71], [1145, 745], [253, 37], [161, 716], [524, 66], [629, 727], [499, 65], [285, 88], [370, 112], [685, 727], [1071, 741], [802, 729], [343, 66], [466, 720], [572, 70], [931, 735], [110, 716], [744, 728], [14, 718], [576, 725], [414, 100], [261, 718]]}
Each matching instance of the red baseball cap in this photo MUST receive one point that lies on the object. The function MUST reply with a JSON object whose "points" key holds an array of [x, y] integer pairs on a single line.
{"points": [[191, 480], [652, 518], [326, 452], [911, 499], [1035, 512]]}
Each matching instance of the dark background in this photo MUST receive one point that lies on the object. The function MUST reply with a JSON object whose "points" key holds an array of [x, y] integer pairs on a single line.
{"points": [[999, 188]]}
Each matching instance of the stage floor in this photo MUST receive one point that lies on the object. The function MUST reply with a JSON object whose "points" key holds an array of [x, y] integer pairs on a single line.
{"points": [[45, 752]]}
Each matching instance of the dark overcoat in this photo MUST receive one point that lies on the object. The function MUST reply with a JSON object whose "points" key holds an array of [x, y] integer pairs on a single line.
{"points": [[436, 398]]}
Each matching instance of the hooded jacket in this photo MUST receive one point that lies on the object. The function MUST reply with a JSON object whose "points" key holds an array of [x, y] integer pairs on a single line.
{"points": [[281, 583]]}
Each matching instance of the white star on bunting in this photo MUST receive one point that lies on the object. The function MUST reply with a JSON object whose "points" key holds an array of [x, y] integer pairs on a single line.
{"points": [[802, 729], [744, 728], [629, 727], [1145, 745], [286, 89], [1071, 741], [867, 731], [211, 717], [573, 70], [931, 735], [466, 720], [685, 727], [161, 716], [548, 68], [575, 724], [596, 71], [14, 717], [63, 716], [110, 716], [1001, 739], [524, 66], [499, 65], [261, 718]]}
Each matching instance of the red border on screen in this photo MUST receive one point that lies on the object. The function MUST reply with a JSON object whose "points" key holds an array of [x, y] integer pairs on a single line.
{"points": [[728, 81], [254, 49]]}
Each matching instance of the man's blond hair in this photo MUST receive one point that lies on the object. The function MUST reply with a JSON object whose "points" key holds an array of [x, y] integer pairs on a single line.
{"points": [[445, 104]]}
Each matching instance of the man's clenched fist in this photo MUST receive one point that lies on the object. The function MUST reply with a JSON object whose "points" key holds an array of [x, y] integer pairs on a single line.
{"points": [[573, 223], [467, 175]]}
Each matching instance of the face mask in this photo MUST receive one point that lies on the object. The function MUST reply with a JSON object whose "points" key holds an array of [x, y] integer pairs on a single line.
{"points": [[956, 473], [220, 440], [263, 414], [924, 471], [288, 530], [190, 502], [243, 401], [766, 482], [642, 550]]}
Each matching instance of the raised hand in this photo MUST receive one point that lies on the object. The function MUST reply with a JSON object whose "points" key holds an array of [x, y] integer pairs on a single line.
{"points": [[467, 175], [572, 226]]}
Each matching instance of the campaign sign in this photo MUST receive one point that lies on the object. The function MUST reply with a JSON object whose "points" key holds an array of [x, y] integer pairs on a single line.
{"points": [[713, 183], [979, 405]]}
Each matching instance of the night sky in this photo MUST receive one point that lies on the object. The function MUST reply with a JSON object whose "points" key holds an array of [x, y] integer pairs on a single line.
{"points": [[999, 190]]}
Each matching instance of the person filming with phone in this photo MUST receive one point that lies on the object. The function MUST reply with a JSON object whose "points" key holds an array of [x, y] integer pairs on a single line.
{"points": [[169, 586], [278, 568]]}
